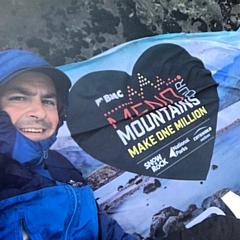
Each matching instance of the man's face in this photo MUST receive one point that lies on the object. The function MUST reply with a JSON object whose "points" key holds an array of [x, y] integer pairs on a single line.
{"points": [[30, 100]]}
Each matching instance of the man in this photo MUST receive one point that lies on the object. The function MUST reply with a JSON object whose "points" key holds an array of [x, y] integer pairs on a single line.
{"points": [[40, 190]]}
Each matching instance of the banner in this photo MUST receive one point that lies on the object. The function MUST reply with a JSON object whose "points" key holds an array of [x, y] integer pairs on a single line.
{"points": [[153, 124]]}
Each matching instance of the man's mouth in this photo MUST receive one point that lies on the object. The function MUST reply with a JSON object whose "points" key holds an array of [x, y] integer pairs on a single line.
{"points": [[32, 130]]}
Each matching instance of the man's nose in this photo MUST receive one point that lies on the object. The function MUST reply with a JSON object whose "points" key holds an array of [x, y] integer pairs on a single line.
{"points": [[36, 110]]}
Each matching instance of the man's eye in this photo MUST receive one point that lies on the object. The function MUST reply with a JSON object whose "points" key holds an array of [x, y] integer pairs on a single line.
{"points": [[17, 98], [49, 102]]}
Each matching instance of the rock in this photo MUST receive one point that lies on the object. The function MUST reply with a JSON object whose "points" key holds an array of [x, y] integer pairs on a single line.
{"points": [[216, 201], [132, 180], [183, 216], [158, 228], [151, 185], [68, 31], [138, 180], [120, 188], [214, 167], [172, 225], [102, 176]]}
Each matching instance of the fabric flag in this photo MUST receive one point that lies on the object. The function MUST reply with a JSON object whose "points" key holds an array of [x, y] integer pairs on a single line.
{"points": [[159, 120], [165, 106], [150, 106]]}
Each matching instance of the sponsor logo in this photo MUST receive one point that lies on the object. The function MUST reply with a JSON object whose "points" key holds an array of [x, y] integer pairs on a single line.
{"points": [[202, 134], [109, 97], [156, 163], [179, 148]]}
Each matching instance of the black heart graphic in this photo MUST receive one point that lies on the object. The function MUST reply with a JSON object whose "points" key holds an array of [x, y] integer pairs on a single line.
{"points": [[160, 121]]}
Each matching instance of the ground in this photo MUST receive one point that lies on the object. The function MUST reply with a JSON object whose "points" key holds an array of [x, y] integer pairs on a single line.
{"points": [[64, 31]]}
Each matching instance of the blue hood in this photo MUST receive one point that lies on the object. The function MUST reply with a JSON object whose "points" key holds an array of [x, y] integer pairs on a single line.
{"points": [[12, 142], [15, 62], [20, 148]]}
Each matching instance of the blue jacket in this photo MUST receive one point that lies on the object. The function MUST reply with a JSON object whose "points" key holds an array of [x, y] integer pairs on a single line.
{"points": [[42, 191]]}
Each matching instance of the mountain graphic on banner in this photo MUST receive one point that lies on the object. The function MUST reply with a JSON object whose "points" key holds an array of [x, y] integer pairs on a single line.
{"points": [[172, 153]]}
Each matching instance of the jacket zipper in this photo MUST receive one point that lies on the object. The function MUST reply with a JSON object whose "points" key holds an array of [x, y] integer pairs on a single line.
{"points": [[24, 232], [45, 156], [74, 211]]}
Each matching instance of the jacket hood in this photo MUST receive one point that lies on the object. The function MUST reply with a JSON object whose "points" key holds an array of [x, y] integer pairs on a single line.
{"points": [[15, 62]]}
